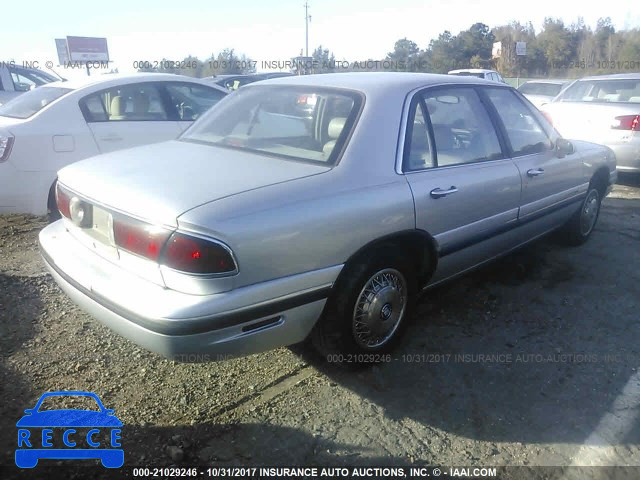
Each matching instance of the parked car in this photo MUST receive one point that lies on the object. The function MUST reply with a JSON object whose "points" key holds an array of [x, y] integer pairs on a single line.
{"points": [[233, 82], [480, 73], [540, 92], [603, 109], [15, 80], [62, 122], [258, 229]]}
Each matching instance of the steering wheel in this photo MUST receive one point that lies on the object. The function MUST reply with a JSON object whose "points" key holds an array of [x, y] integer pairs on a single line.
{"points": [[186, 112]]}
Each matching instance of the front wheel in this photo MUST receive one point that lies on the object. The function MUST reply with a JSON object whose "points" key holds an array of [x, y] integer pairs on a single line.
{"points": [[368, 310], [578, 229]]}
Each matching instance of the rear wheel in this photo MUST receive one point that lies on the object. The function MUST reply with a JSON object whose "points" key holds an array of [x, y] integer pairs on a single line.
{"points": [[368, 310]]}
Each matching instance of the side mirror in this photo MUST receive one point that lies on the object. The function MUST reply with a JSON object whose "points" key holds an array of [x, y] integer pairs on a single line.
{"points": [[29, 411], [563, 147]]}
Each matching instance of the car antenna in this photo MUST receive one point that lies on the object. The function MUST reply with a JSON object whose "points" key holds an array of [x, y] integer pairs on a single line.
{"points": [[56, 74]]}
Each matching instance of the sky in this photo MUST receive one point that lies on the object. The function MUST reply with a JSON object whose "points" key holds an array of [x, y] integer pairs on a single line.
{"points": [[268, 30]]}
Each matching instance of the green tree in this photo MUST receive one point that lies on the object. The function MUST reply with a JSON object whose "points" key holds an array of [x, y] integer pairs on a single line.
{"points": [[477, 42], [556, 41], [323, 60], [604, 38], [445, 54], [404, 55]]}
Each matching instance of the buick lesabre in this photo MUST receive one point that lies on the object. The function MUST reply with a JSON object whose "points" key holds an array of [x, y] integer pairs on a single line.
{"points": [[315, 208]]}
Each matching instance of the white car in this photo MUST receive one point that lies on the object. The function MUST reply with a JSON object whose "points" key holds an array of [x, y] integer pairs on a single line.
{"points": [[479, 73], [59, 123]]}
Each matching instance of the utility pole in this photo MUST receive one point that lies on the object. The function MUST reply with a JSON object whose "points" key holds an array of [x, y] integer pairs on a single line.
{"points": [[307, 19]]}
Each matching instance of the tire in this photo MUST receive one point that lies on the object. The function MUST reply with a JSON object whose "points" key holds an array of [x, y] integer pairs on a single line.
{"points": [[368, 310], [580, 226], [52, 207]]}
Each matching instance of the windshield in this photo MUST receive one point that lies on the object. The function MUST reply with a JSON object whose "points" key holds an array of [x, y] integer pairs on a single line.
{"points": [[301, 123], [535, 88], [604, 91], [30, 103]]}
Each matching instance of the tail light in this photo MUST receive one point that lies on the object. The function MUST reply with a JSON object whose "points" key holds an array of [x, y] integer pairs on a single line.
{"points": [[547, 115], [307, 100], [6, 142], [63, 200], [196, 255], [627, 122], [140, 238], [176, 250]]}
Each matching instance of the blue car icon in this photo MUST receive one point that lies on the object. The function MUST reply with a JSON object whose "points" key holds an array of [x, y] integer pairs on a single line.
{"points": [[83, 433]]}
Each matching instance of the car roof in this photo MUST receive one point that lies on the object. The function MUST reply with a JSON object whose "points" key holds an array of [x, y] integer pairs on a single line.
{"points": [[372, 82], [615, 76], [472, 70], [553, 81], [113, 79]]}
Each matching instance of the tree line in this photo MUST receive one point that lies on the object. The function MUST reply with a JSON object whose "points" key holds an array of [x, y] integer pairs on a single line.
{"points": [[557, 50]]}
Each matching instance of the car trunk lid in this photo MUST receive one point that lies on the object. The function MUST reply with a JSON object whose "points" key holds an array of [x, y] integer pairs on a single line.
{"points": [[590, 121], [159, 182]]}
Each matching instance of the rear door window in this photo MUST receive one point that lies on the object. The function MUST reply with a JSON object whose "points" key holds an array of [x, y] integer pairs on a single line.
{"points": [[126, 103], [461, 127]]}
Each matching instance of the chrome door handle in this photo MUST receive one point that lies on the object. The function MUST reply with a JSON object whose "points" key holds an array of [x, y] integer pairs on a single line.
{"points": [[534, 172], [438, 192]]}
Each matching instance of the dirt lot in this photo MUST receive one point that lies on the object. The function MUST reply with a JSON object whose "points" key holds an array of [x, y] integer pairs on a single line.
{"points": [[519, 363]]}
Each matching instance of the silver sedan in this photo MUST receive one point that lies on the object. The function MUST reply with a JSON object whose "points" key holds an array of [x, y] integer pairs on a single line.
{"points": [[603, 109], [315, 207]]}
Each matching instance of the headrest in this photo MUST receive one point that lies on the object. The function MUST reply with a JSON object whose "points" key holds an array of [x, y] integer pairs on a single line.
{"points": [[117, 105], [335, 126]]}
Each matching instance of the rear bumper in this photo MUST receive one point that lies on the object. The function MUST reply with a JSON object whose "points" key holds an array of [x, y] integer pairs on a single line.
{"points": [[181, 326], [627, 156]]}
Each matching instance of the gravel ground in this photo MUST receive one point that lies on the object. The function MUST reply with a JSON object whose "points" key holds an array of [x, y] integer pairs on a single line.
{"points": [[515, 364]]}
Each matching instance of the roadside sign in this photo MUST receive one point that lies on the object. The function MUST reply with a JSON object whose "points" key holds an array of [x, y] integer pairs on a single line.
{"points": [[63, 53], [87, 49]]}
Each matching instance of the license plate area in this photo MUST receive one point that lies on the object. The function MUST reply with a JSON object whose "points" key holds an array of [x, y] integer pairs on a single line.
{"points": [[98, 236], [101, 226]]}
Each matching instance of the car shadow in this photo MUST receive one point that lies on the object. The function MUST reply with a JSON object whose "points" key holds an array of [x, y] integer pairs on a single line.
{"points": [[533, 348], [212, 445]]}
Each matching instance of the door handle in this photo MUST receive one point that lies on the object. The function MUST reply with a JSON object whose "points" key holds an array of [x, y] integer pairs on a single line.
{"points": [[438, 192], [534, 172], [111, 138]]}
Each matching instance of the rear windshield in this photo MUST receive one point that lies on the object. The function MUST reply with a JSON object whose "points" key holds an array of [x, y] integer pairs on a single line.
{"points": [[468, 74], [603, 91], [548, 89], [310, 124], [30, 103]]}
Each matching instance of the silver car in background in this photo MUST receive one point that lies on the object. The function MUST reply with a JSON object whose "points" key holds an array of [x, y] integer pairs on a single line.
{"points": [[267, 223], [603, 109], [16, 79], [540, 92]]}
